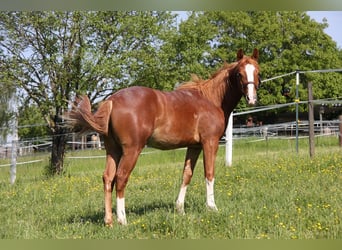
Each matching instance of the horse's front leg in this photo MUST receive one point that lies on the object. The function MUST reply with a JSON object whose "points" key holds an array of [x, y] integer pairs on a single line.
{"points": [[108, 183], [209, 155], [189, 165]]}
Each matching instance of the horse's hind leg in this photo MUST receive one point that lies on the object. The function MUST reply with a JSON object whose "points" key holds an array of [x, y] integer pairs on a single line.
{"points": [[126, 165], [112, 160], [108, 183], [189, 166]]}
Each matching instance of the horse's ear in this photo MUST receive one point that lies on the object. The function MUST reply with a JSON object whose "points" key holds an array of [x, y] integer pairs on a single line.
{"points": [[239, 55], [255, 55]]}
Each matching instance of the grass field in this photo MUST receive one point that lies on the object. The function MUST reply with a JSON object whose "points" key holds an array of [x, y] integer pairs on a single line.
{"points": [[270, 192]]}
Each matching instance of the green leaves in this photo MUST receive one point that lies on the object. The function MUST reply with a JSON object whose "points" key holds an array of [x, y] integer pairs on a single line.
{"points": [[56, 55], [287, 40]]}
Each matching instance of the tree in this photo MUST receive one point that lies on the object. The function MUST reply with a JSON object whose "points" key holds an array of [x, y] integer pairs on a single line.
{"points": [[7, 91], [193, 46], [151, 65], [54, 56], [31, 122], [5, 113], [287, 41]]}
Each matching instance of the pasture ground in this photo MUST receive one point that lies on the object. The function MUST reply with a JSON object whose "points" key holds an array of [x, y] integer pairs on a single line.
{"points": [[270, 192]]}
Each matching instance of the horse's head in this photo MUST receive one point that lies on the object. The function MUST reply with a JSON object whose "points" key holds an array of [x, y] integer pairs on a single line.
{"points": [[247, 74]]}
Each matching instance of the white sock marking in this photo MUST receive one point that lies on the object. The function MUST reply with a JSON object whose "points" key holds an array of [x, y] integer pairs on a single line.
{"points": [[181, 196], [120, 211], [210, 193]]}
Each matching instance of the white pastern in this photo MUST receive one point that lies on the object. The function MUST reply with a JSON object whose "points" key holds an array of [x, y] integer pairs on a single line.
{"points": [[120, 211], [180, 200], [210, 194]]}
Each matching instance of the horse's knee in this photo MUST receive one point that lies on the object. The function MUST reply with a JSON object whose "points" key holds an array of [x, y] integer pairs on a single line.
{"points": [[120, 184], [187, 175], [108, 183]]}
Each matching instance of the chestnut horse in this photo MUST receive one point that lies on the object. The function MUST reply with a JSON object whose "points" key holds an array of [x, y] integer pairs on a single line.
{"points": [[194, 115]]}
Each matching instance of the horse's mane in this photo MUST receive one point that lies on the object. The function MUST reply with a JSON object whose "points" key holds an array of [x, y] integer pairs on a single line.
{"points": [[214, 87], [198, 83]]}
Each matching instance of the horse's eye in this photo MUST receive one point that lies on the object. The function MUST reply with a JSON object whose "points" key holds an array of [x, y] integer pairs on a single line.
{"points": [[238, 75]]}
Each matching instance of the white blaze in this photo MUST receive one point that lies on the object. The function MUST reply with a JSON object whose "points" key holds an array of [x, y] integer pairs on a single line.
{"points": [[250, 87], [250, 72]]}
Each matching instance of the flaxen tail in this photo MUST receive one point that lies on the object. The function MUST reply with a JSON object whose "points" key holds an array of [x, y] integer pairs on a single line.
{"points": [[81, 119]]}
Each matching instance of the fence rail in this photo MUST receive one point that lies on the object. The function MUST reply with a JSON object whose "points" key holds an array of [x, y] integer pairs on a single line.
{"points": [[280, 130], [287, 129]]}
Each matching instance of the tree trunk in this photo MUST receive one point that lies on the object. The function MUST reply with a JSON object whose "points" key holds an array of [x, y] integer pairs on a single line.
{"points": [[57, 153], [59, 140]]}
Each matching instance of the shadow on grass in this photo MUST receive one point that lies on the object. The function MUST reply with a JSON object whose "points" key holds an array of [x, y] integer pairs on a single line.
{"points": [[146, 208], [97, 217]]}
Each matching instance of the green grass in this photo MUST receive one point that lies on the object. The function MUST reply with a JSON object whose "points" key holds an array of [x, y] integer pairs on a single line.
{"points": [[270, 192]]}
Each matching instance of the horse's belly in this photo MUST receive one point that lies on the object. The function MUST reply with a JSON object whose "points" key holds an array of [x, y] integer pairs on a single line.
{"points": [[170, 140], [165, 145]]}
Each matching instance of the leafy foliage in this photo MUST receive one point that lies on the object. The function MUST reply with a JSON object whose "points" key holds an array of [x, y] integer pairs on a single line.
{"points": [[5, 113], [32, 123], [7, 90], [288, 41]]}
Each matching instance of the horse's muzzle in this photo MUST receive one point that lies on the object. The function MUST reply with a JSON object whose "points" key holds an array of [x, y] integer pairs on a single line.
{"points": [[252, 101], [251, 96]]}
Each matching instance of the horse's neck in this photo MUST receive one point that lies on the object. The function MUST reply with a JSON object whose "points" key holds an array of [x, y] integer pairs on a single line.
{"points": [[223, 94], [230, 101], [215, 90]]}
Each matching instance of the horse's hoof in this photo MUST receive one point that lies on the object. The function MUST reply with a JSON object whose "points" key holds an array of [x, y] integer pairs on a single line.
{"points": [[122, 221], [212, 208], [108, 222], [180, 208]]}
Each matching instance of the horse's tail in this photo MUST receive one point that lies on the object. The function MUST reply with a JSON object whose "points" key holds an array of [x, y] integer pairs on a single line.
{"points": [[83, 120]]}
